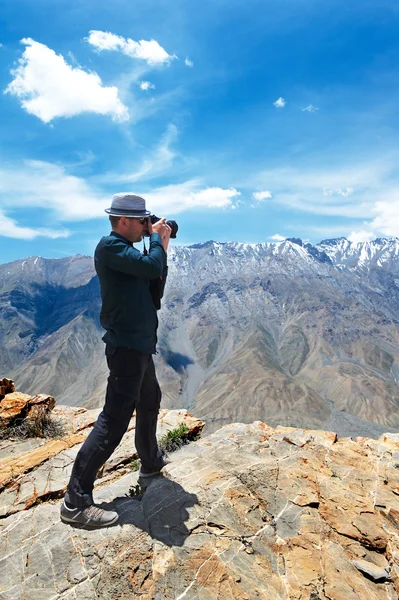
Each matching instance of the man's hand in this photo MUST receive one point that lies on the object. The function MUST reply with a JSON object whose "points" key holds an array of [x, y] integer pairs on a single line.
{"points": [[158, 227], [162, 229], [166, 238]]}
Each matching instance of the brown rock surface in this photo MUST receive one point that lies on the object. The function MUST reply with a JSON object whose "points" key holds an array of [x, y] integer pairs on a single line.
{"points": [[6, 387], [249, 512], [22, 407], [12, 405]]}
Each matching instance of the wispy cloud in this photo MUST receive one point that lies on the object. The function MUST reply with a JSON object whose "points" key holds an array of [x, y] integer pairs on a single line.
{"points": [[339, 192], [158, 162], [149, 51], [146, 85], [48, 87], [277, 237], [310, 108], [280, 103], [188, 63], [260, 197], [50, 187], [9, 228], [38, 184], [367, 192]]}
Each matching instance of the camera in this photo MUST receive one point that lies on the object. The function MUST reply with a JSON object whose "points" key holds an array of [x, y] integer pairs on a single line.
{"points": [[172, 224]]}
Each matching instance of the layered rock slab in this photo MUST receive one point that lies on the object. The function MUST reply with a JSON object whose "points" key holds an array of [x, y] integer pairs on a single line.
{"points": [[248, 512], [31, 472]]}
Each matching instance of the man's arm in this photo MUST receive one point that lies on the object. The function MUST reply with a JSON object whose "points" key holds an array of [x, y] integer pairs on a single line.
{"points": [[163, 282], [119, 256], [157, 287]]}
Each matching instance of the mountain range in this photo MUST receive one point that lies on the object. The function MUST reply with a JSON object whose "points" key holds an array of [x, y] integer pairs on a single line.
{"points": [[288, 333]]}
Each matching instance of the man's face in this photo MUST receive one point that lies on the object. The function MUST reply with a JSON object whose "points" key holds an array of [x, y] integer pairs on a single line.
{"points": [[132, 228]]}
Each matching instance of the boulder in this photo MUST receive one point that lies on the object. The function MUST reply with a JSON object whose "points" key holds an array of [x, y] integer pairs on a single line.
{"points": [[17, 408], [6, 387], [374, 571], [13, 406]]}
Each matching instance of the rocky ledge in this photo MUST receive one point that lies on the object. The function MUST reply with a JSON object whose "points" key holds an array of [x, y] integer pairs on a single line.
{"points": [[28, 413], [247, 512]]}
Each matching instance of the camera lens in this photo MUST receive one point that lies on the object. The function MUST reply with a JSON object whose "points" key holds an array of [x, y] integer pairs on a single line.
{"points": [[172, 224]]}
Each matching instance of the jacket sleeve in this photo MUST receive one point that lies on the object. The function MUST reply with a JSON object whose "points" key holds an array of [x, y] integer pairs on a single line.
{"points": [[163, 281], [119, 256], [157, 287]]}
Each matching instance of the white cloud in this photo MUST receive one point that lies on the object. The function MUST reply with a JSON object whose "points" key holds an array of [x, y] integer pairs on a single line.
{"points": [[367, 192], [10, 229], [280, 103], [361, 236], [65, 198], [174, 199], [386, 221], [149, 51], [259, 196], [345, 192], [146, 85], [214, 197], [48, 87], [310, 108], [339, 192], [277, 237], [48, 186], [188, 62]]}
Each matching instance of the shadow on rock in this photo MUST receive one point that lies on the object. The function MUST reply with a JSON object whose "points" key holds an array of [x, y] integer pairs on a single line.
{"points": [[162, 511]]}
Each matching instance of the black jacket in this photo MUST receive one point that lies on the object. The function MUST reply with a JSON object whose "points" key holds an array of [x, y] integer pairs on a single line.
{"points": [[131, 291]]}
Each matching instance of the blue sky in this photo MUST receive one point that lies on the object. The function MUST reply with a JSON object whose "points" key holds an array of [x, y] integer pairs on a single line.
{"points": [[247, 121]]}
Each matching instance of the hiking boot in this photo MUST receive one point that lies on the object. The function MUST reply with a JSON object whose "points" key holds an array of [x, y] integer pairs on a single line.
{"points": [[92, 516]]}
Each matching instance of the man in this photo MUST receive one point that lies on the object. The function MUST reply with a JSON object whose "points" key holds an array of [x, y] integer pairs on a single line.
{"points": [[131, 285]]}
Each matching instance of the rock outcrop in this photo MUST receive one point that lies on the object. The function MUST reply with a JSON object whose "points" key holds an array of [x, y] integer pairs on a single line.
{"points": [[6, 387], [35, 470], [21, 409], [247, 512]]}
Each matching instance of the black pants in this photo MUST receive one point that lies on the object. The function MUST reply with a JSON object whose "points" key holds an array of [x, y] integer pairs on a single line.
{"points": [[132, 385]]}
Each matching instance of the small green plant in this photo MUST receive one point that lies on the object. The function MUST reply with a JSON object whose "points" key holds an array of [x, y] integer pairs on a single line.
{"points": [[176, 438], [44, 427], [135, 491], [134, 464]]}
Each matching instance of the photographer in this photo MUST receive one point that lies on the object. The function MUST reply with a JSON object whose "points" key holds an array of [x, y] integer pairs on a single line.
{"points": [[132, 285]]}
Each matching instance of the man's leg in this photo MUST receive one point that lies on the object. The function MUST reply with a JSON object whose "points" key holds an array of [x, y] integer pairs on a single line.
{"points": [[147, 410], [127, 370]]}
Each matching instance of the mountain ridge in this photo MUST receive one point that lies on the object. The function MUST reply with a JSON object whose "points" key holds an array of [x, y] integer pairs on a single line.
{"points": [[328, 314]]}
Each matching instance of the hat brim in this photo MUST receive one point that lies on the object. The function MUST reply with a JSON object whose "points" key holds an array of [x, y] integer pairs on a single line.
{"points": [[114, 212]]}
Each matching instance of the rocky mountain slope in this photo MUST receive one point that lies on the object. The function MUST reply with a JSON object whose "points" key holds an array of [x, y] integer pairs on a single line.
{"points": [[247, 512], [288, 333]]}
